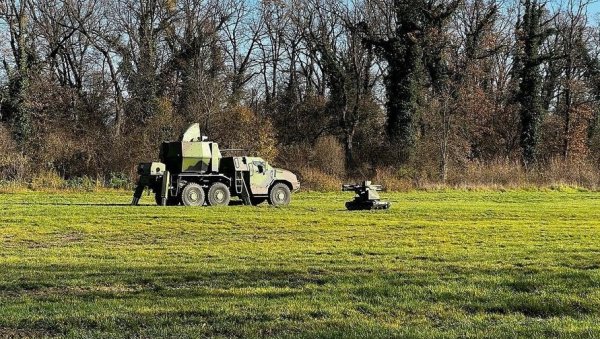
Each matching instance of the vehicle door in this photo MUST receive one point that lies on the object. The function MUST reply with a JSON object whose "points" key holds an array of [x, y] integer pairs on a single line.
{"points": [[260, 180]]}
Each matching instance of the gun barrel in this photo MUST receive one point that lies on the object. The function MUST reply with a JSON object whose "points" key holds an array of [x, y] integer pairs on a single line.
{"points": [[353, 187]]}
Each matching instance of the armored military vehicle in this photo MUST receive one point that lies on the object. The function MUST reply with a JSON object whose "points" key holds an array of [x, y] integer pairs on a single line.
{"points": [[193, 172], [366, 197]]}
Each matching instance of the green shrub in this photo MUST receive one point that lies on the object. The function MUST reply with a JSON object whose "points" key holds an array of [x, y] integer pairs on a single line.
{"points": [[118, 180], [84, 183]]}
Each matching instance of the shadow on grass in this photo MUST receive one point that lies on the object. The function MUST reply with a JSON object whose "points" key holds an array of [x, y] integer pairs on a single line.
{"points": [[67, 204], [28, 203], [204, 322], [223, 300]]}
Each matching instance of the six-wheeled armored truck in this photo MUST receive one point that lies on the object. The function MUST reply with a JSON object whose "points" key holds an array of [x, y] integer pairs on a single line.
{"points": [[193, 172]]}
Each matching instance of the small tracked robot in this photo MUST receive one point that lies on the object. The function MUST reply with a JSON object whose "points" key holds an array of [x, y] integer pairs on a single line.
{"points": [[366, 197]]}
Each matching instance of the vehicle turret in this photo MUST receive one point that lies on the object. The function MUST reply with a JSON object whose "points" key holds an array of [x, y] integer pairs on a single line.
{"points": [[192, 154]]}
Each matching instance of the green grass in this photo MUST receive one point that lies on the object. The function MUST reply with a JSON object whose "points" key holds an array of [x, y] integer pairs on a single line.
{"points": [[438, 264]]}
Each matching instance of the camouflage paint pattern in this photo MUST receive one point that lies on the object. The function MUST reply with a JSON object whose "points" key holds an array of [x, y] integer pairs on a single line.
{"points": [[191, 156], [246, 176]]}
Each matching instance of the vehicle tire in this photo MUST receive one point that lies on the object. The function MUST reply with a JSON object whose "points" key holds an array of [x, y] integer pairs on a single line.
{"points": [[280, 195], [192, 195], [171, 201], [218, 195], [257, 201]]}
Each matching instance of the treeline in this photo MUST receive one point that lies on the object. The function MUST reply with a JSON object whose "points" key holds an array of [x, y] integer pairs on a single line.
{"points": [[430, 90]]}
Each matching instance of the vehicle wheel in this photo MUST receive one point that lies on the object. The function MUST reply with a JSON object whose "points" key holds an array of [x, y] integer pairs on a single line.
{"points": [[192, 195], [218, 195], [171, 201], [280, 195], [257, 201]]}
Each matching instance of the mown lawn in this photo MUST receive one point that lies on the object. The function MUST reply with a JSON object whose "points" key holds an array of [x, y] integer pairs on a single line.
{"points": [[438, 264]]}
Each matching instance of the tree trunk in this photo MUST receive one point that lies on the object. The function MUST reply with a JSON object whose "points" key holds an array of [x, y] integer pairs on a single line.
{"points": [[402, 87], [567, 127], [533, 34], [118, 93], [348, 148], [22, 119]]}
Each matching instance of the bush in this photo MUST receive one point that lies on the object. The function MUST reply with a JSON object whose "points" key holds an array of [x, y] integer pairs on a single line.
{"points": [[240, 127], [118, 181], [51, 180], [399, 180], [13, 164], [496, 174], [316, 180], [84, 183], [47, 180], [328, 156]]}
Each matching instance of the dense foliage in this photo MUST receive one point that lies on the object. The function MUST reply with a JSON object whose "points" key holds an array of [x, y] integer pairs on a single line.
{"points": [[430, 87]]}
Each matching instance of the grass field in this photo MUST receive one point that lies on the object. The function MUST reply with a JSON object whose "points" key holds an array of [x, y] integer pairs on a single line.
{"points": [[438, 264]]}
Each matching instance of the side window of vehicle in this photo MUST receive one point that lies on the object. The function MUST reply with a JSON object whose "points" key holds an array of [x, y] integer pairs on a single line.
{"points": [[260, 166]]}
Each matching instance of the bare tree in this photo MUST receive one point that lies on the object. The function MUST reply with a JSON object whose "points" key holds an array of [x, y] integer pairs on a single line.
{"points": [[329, 31], [572, 36], [242, 36]]}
